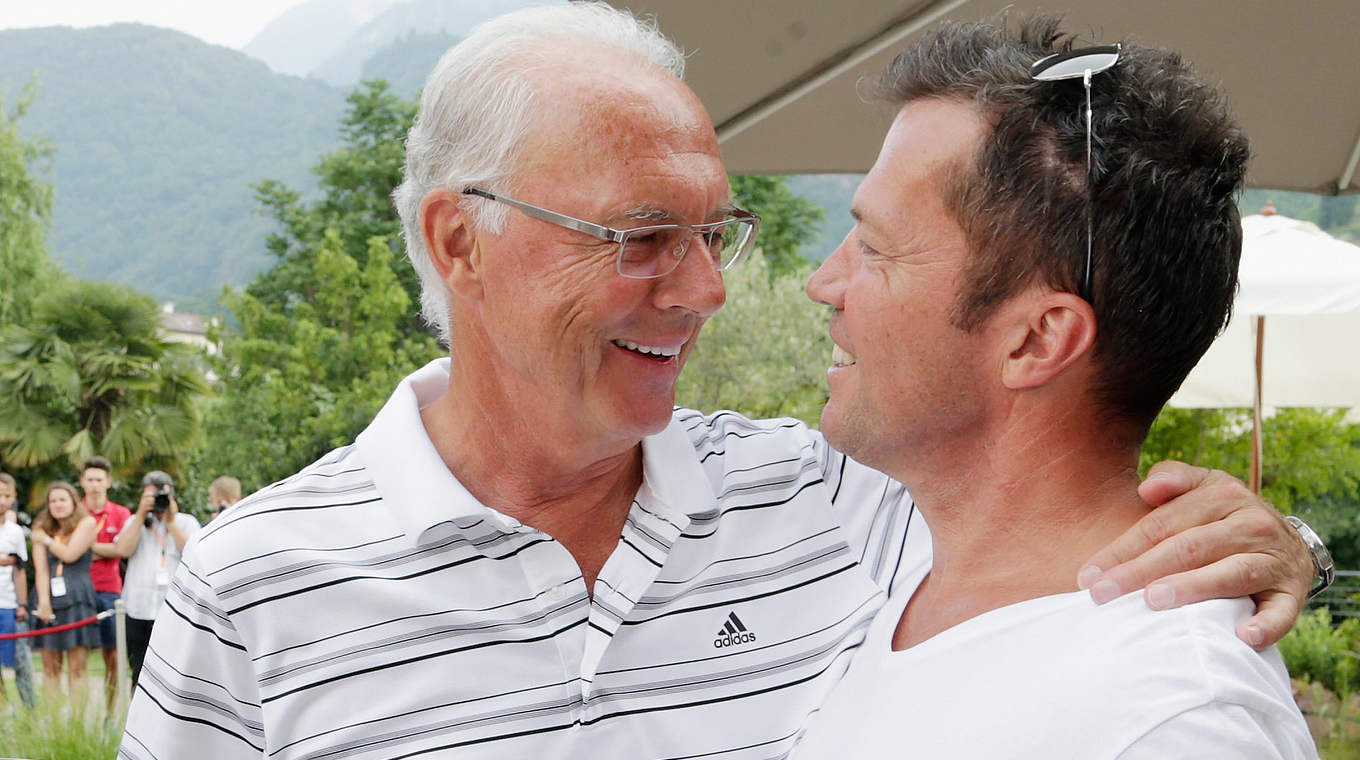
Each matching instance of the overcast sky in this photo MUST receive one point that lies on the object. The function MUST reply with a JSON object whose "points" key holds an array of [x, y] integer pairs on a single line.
{"points": [[223, 22]]}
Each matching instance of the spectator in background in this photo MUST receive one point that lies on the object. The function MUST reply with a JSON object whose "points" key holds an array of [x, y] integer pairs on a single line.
{"points": [[63, 535], [96, 476], [224, 492], [13, 581], [152, 541]]}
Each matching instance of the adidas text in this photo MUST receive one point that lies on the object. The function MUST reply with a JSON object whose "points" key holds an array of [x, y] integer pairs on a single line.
{"points": [[728, 640]]}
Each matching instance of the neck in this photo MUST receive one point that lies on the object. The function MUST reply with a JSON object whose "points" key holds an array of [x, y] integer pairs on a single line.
{"points": [[576, 492], [96, 505], [1014, 514]]}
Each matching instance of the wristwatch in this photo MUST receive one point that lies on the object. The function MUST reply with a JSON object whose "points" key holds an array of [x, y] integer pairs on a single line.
{"points": [[1324, 570]]}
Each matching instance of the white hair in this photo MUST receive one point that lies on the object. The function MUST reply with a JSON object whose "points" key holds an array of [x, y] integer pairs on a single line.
{"points": [[476, 110]]}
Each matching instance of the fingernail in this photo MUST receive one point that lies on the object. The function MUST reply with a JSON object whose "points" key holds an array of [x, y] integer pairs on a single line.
{"points": [[1104, 591], [1254, 636], [1160, 596], [1159, 476], [1088, 576]]}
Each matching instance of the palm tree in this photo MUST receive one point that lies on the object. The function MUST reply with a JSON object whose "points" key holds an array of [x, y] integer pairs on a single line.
{"points": [[90, 373]]}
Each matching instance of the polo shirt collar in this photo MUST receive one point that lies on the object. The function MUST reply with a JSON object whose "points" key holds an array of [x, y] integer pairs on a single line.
{"points": [[416, 486], [420, 492], [672, 473]]}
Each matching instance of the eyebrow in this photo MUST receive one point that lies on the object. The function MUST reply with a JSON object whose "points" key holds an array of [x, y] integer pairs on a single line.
{"points": [[647, 212]]}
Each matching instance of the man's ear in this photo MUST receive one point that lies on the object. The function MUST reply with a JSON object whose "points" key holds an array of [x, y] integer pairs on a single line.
{"points": [[1053, 330], [451, 241]]}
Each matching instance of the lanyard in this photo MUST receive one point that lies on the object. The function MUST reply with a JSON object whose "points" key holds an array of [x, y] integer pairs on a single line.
{"points": [[161, 536]]}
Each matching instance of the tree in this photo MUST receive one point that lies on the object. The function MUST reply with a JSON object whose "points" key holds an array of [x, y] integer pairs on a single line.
{"points": [[786, 219], [25, 210], [1308, 454], [356, 182], [327, 332], [766, 352], [300, 381], [91, 374]]}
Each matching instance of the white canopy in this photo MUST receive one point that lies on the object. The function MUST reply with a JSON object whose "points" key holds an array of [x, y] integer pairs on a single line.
{"points": [[1308, 284], [780, 77]]}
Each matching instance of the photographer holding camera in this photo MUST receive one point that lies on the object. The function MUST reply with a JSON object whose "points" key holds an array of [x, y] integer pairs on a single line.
{"points": [[152, 541]]}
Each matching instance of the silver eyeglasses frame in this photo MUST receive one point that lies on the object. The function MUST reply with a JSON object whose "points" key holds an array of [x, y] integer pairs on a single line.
{"points": [[1074, 64], [736, 216]]}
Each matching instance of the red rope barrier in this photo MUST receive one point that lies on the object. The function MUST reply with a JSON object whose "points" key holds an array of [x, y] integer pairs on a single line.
{"points": [[56, 629]]}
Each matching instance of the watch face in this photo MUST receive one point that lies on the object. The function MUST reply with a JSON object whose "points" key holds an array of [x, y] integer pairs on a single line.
{"points": [[1323, 566]]}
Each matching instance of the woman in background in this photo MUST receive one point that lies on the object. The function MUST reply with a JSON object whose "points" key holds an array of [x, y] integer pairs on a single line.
{"points": [[62, 536]]}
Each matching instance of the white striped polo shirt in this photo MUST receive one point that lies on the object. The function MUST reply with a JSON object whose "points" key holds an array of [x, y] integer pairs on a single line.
{"points": [[370, 607]]}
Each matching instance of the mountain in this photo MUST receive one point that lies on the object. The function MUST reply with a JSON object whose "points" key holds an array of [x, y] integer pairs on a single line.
{"points": [[406, 61], [345, 66], [159, 137], [308, 34]]}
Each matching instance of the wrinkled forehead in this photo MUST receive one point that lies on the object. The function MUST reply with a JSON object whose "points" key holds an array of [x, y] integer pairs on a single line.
{"points": [[621, 117]]}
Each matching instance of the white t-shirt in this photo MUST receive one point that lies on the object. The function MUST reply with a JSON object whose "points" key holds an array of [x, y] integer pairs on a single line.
{"points": [[1059, 677], [152, 565], [11, 542]]}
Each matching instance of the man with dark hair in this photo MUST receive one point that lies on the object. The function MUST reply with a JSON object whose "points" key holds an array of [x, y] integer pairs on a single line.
{"points": [[1004, 359], [96, 477]]}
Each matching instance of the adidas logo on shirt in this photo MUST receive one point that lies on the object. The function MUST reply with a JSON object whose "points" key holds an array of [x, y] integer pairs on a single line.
{"points": [[733, 633]]}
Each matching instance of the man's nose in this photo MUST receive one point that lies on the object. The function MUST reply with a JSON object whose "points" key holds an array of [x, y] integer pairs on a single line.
{"points": [[825, 285], [696, 284]]}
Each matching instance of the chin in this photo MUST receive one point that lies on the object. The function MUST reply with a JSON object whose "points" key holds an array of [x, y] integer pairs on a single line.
{"points": [[645, 419], [844, 434]]}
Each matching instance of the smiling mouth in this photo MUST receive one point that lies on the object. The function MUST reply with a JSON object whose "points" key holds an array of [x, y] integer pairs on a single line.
{"points": [[656, 353], [840, 357]]}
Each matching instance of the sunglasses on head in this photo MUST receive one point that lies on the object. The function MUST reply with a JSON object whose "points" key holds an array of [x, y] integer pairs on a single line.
{"points": [[1080, 64]]}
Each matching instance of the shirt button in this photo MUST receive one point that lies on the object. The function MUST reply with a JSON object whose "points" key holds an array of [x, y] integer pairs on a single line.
{"points": [[559, 592]]}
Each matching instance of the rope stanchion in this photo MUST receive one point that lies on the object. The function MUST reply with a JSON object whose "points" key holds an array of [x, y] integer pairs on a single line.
{"points": [[56, 629]]}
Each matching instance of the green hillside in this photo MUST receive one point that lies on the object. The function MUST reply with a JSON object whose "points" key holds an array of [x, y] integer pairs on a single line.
{"points": [[406, 61], [159, 137]]}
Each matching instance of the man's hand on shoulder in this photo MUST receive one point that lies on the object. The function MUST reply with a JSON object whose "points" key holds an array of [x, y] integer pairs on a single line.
{"points": [[1210, 537]]}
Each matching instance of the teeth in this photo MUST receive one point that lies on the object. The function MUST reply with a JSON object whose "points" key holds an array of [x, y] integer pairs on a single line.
{"points": [[653, 350], [840, 357]]}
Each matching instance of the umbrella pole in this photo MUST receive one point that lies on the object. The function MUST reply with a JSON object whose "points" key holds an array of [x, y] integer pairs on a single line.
{"points": [[1255, 477]]}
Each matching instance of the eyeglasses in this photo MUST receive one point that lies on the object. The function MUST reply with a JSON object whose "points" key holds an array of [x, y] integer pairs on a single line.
{"points": [[1070, 65], [654, 250]]}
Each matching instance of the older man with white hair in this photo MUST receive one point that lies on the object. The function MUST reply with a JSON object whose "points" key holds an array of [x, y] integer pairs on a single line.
{"points": [[529, 552]]}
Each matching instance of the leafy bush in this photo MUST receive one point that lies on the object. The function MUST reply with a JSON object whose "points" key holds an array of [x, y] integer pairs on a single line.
{"points": [[1319, 652], [766, 352]]}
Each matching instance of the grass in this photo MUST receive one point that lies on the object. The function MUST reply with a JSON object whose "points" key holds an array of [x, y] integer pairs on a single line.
{"points": [[59, 732]]}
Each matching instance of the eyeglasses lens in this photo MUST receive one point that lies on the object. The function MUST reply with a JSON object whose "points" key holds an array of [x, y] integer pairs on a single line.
{"points": [[656, 251]]}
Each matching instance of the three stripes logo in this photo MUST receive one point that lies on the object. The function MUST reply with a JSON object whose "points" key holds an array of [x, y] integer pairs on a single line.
{"points": [[733, 633]]}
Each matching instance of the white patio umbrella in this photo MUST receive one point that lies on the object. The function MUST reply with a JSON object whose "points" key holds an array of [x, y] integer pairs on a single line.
{"points": [[1294, 339]]}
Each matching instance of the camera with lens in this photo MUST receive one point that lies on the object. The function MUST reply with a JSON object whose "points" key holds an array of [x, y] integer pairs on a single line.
{"points": [[165, 490], [161, 501]]}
